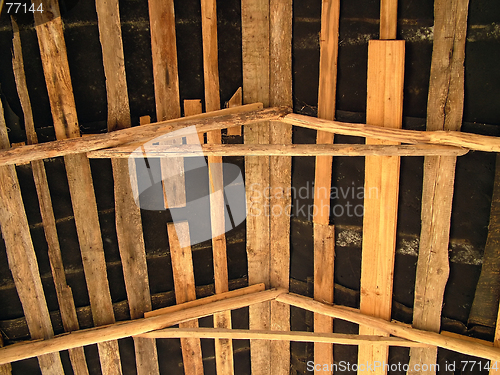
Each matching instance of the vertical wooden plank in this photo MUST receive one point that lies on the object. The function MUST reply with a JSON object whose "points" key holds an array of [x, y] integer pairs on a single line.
{"points": [[127, 214], [193, 107], [327, 89], [255, 49], [185, 291], [22, 258], [444, 112], [280, 81], [384, 108], [235, 101], [63, 291], [496, 342], [57, 78], [223, 347], [388, 19]]}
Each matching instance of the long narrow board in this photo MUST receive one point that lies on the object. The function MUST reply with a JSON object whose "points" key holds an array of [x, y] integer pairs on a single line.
{"points": [[185, 291], [5, 369], [22, 258], [384, 108], [58, 81], [280, 94], [223, 347], [324, 248], [235, 101], [63, 291], [444, 112], [255, 48], [194, 107]]}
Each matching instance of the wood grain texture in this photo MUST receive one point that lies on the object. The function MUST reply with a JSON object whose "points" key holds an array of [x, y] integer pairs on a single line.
{"points": [[496, 343], [7, 368], [129, 328], [384, 108], [392, 328], [280, 94], [235, 101], [22, 259], [58, 81], [185, 290], [444, 112], [194, 107], [388, 19], [63, 291]]}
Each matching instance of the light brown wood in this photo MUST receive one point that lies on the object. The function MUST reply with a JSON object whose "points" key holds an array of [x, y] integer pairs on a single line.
{"points": [[395, 329], [384, 108], [7, 368], [58, 81], [203, 301], [444, 112], [235, 101], [204, 122], [243, 334], [281, 150], [496, 344], [185, 291], [210, 55], [388, 19], [63, 291], [193, 107], [22, 258], [451, 138], [324, 256], [280, 94], [136, 327], [467, 338]]}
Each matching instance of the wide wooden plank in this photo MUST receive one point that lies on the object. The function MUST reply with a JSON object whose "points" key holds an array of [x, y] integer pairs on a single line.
{"points": [[22, 258], [185, 290], [280, 94], [58, 81], [384, 108], [444, 112], [235, 101], [193, 107], [63, 291]]}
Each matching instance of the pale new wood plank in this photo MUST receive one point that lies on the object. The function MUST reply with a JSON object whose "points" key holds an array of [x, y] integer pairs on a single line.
{"points": [[129, 328], [280, 94], [444, 112], [193, 107], [384, 108], [22, 258], [388, 19], [235, 101], [63, 291], [185, 290], [392, 328], [281, 150], [58, 81]]}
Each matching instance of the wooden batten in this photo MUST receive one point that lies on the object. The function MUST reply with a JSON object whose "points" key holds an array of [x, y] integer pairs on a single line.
{"points": [[235, 101]]}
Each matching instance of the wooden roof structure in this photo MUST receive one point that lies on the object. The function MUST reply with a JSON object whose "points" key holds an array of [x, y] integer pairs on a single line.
{"points": [[262, 112]]}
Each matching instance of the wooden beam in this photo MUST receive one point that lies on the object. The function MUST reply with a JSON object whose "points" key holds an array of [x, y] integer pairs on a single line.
{"points": [[388, 19], [193, 107], [280, 94], [136, 327], [395, 329], [63, 291], [22, 258], [58, 80], [444, 112], [235, 101], [244, 334], [281, 150], [204, 122], [185, 290], [127, 214], [384, 108], [451, 138]]}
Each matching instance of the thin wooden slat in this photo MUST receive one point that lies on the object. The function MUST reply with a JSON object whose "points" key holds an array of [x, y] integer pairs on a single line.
{"points": [[281, 150], [58, 81], [242, 334], [280, 94], [185, 290], [235, 101], [388, 19], [255, 49], [496, 344], [129, 328], [444, 112], [22, 258], [451, 138], [395, 329], [63, 291], [193, 107], [384, 108]]}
